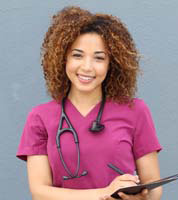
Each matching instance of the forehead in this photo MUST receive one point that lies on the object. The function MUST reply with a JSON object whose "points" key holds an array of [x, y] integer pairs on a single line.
{"points": [[89, 41]]}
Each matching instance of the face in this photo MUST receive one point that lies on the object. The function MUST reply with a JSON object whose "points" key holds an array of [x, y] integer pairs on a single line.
{"points": [[87, 63]]}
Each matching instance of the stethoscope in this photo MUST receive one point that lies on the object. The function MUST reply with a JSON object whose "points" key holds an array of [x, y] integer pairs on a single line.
{"points": [[95, 128]]}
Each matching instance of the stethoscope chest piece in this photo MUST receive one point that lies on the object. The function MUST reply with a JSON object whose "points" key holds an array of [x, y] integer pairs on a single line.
{"points": [[96, 127]]}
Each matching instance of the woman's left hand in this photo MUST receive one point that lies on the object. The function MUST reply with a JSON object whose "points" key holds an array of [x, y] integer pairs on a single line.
{"points": [[141, 196]]}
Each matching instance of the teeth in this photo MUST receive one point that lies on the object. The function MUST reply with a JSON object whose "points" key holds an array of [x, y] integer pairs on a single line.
{"points": [[85, 77]]}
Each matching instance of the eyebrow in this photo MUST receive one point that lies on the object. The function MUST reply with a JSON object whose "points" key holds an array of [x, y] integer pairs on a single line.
{"points": [[96, 52]]}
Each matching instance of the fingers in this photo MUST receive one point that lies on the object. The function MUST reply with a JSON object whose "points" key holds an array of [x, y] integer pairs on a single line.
{"points": [[128, 177], [106, 197], [145, 192], [141, 196], [124, 196]]}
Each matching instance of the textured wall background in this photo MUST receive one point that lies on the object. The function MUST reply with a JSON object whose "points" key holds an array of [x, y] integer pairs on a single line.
{"points": [[154, 26]]}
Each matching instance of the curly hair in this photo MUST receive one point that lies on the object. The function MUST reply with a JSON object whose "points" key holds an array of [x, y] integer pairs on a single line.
{"points": [[121, 81]]}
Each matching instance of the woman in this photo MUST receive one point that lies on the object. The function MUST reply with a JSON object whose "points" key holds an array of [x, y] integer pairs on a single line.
{"points": [[90, 65]]}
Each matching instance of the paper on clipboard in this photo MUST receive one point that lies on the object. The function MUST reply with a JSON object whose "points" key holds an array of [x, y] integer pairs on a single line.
{"points": [[138, 188]]}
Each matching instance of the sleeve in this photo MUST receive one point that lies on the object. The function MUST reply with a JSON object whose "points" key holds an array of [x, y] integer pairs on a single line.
{"points": [[34, 137], [145, 138]]}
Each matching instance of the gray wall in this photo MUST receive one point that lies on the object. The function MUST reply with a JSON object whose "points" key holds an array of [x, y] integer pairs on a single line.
{"points": [[154, 26]]}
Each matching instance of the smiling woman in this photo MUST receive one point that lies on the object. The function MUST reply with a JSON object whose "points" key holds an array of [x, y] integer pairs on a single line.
{"points": [[87, 65], [90, 65]]}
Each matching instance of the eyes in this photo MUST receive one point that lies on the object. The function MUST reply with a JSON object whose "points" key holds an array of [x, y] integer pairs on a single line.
{"points": [[79, 56]]}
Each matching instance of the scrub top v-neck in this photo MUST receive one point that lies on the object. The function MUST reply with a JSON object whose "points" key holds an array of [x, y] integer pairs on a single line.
{"points": [[72, 108], [128, 135]]}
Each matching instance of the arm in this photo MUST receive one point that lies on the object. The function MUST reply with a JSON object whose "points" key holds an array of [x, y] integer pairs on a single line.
{"points": [[40, 183], [148, 171]]}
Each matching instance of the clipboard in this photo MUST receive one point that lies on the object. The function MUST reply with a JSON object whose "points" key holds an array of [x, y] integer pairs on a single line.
{"points": [[138, 188]]}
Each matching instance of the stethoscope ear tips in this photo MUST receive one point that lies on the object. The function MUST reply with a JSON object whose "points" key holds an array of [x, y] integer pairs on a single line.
{"points": [[96, 127], [84, 173], [65, 178]]}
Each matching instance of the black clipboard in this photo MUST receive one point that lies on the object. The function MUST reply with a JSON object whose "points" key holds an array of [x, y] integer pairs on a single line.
{"points": [[138, 188]]}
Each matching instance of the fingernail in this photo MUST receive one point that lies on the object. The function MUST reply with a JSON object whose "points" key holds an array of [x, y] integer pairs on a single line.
{"points": [[145, 191], [120, 194], [105, 197], [138, 180]]}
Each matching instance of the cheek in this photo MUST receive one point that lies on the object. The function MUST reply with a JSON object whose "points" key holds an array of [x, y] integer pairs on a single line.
{"points": [[102, 71], [69, 72], [70, 68]]}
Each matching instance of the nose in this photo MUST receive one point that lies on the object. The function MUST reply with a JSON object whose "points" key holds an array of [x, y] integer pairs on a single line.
{"points": [[87, 64]]}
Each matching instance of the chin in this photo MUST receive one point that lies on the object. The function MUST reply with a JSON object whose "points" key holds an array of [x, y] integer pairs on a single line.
{"points": [[86, 89]]}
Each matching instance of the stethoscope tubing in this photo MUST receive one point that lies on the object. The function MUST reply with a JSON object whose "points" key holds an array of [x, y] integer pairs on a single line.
{"points": [[76, 140], [96, 127]]}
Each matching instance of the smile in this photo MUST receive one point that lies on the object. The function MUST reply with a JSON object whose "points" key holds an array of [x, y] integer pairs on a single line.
{"points": [[85, 78]]}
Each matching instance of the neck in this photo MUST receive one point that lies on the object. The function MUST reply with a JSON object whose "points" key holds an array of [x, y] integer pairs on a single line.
{"points": [[85, 99]]}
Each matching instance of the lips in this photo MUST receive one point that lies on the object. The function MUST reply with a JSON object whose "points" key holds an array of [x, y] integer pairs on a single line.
{"points": [[85, 78]]}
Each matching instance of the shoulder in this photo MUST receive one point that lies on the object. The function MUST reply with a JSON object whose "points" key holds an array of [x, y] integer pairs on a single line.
{"points": [[143, 115], [136, 105], [134, 110], [139, 104], [140, 108], [44, 111], [45, 107]]}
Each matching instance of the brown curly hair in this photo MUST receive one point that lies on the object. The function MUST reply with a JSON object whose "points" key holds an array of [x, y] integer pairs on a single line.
{"points": [[121, 81]]}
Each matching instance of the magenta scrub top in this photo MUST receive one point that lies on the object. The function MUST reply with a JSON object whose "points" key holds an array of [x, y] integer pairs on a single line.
{"points": [[128, 135]]}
